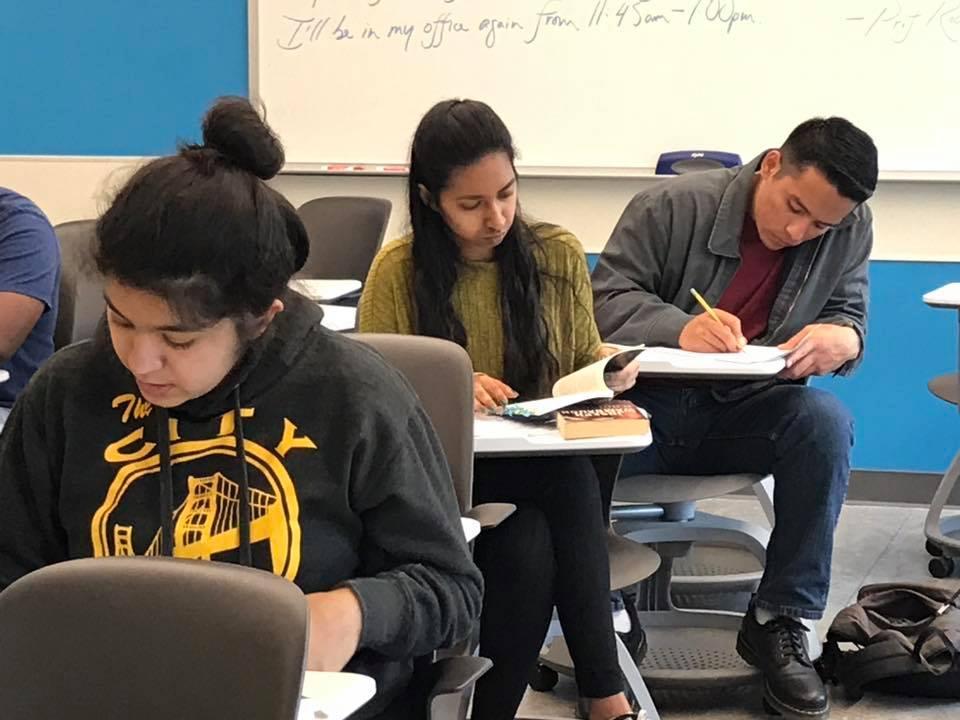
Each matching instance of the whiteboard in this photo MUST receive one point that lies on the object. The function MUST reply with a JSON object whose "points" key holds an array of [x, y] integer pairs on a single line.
{"points": [[600, 84]]}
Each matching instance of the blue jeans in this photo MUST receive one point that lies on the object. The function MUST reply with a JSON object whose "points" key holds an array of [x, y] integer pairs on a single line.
{"points": [[801, 435]]}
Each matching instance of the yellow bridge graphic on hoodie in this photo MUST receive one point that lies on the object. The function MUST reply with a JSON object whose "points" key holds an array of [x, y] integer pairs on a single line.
{"points": [[206, 525], [208, 521]]}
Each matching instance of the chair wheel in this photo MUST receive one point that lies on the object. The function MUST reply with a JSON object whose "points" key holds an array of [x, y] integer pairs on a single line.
{"points": [[934, 549], [941, 567], [770, 709], [543, 679]]}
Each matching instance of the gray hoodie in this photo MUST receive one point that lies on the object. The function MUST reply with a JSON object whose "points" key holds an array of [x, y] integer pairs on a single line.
{"points": [[684, 233]]}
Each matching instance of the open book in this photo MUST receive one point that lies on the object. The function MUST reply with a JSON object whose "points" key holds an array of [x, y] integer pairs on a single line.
{"points": [[587, 383]]}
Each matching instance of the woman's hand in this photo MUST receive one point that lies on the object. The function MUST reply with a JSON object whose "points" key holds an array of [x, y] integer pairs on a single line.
{"points": [[623, 379], [490, 393], [335, 624]]}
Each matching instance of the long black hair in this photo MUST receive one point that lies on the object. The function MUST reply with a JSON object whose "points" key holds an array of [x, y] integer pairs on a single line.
{"points": [[201, 229], [453, 135]]}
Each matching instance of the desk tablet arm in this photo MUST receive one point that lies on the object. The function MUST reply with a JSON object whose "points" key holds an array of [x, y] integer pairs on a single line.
{"points": [[489, 515], [449, 682]]}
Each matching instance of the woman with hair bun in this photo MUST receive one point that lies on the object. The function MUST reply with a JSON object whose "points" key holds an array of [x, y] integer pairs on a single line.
{"points": [[213, 417]]}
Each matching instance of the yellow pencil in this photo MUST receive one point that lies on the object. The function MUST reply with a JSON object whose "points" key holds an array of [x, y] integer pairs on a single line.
{"points": [[705, 305]]}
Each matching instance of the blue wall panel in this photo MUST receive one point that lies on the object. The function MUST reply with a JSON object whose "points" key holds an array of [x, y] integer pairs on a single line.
{"points": [[115, 77], [900, 425]]}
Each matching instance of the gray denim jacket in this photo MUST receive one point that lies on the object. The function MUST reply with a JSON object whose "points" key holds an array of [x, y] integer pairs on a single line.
{"points": [[685, 233]]}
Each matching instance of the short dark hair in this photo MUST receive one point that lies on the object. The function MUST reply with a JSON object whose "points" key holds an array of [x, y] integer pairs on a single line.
{"points": [[201, 229], [844, 153]]}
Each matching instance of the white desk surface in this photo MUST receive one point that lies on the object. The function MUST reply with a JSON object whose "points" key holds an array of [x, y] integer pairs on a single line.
{"points": [[339, 318], [947, 296], [471, 528], [333, 695], [325, 290], [671, 362], [497, 436]]}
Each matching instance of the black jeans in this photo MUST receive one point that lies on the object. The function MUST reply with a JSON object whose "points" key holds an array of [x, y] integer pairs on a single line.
{"points": [[552, 551]]}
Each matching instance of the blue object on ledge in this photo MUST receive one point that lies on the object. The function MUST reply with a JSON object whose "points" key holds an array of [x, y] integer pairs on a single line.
{"points": [[684, 161]]}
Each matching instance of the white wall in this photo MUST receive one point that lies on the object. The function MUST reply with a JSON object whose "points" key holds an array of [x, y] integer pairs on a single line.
{"points": [[914, 220]]}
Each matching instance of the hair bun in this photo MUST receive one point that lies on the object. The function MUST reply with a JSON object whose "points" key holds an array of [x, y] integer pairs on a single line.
{"points": [[235, 129]]}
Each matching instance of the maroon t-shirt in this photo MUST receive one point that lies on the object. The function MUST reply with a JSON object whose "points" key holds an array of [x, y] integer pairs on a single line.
{"points": [[754, 287]]}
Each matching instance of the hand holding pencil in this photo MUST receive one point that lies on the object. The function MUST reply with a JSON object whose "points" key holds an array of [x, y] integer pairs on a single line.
{"points": [[712, 331]]}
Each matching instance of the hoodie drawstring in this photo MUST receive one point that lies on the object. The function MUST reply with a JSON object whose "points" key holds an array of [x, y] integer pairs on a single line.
{"points": [[245, 555], [166, 484]]}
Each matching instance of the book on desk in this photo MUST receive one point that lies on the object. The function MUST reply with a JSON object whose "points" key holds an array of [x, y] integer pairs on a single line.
{"points": [[602, 418]]}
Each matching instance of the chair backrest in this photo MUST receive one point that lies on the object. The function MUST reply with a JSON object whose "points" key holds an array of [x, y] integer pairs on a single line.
{"points": [[152, 639], [345, 234], [442, 376], [81, 290]]}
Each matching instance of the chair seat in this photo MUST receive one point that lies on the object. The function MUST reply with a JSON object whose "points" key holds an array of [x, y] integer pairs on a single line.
{"points": [[946, 387], [630, 562], [663, 489]]}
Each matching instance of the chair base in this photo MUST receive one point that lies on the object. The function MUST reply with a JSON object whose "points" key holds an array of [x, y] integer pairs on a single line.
{"points": [[943, 533], [692, 658], [704, 527], [710, 562], [557, 658], [715, 577], [949, 536]]}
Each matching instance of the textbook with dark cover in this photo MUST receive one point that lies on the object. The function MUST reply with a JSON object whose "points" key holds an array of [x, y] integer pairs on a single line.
{"points": [[602, 418]]}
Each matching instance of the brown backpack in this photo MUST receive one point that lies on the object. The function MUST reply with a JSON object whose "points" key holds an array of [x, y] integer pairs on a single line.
{"points": [[906, 638]]}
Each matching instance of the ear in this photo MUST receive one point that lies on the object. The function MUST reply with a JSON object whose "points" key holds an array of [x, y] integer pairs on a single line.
{"points": [[426, 198], [263, 322], [772, 164]]}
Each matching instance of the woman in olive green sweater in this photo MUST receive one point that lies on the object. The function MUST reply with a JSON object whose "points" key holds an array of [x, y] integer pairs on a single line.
{"points": [[517, 297]]}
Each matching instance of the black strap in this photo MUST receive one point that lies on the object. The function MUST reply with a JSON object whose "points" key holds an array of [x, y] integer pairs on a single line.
{"points": [[928, 631], [858, 668]]}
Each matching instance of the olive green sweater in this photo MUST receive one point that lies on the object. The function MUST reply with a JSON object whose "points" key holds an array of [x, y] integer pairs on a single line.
{"points": [[387, 304]]}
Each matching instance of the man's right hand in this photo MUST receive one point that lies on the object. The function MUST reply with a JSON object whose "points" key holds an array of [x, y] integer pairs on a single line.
{"points": [[704, 334], [490, 393]]}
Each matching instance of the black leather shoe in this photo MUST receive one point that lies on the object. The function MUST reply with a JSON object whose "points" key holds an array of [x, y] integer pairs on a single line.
{"points": [[791, 685]]}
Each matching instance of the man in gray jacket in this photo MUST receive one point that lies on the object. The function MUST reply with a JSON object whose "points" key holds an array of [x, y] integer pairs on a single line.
{"points": [[780, 248]]}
